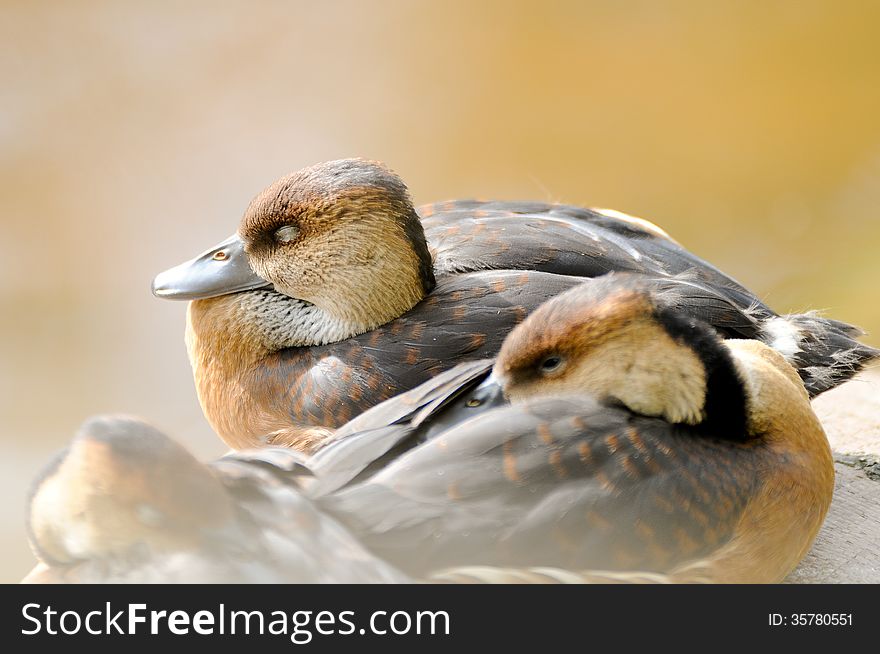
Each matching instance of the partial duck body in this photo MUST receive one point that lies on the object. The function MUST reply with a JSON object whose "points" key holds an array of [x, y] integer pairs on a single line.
{"points": [[336, 295], [126, 504]]}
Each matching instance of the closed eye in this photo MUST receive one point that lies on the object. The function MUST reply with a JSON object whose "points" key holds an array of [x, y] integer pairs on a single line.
{"points": [[286, 234]]}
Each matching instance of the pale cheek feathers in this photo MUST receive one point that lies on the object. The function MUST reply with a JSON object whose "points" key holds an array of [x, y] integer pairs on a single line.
{"points": [[674, 388]]}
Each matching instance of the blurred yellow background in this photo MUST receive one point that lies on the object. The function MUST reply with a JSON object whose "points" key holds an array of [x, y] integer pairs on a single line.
{"points": [[133, 136]]}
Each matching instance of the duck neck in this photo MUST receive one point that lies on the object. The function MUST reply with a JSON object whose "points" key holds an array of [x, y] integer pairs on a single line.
{"points": [[255, 324], [228, 337]]}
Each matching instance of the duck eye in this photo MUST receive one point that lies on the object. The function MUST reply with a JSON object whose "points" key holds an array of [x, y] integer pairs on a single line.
{"points": [[551, 363], [286, 234]]}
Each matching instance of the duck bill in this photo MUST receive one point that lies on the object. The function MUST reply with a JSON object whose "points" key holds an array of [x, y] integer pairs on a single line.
{"points": [[489, 394], [222, 270]]}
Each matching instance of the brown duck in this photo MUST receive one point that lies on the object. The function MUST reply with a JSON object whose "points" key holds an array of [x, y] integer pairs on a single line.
{"points": [[337, 294], [639, 446]]}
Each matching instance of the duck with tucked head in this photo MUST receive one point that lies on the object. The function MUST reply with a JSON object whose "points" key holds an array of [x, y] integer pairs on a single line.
{"points": [[335, 294], [638, 442], [125, 503]]}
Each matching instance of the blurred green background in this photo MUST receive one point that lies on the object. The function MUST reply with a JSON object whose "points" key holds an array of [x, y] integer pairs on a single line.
{"points": [[132, 136]]}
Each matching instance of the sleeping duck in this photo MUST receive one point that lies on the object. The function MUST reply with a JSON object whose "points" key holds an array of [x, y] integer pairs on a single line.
{"points": [[336, 294], [125, 503], [637, 441], [638, 445]]}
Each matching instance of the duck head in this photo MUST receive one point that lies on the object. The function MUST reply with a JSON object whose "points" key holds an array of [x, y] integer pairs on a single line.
{"points": [[617, 338], [120, 488], [341, 236]]}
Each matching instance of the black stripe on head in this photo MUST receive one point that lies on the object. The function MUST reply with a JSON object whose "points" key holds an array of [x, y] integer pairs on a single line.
{"points": [[726, 405]]}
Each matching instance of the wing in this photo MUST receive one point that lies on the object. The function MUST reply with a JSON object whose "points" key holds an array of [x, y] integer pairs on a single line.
{"points": [[385, 432], [473, 235], [562, 239], [563, 483], [423, 401], [733, 314]]}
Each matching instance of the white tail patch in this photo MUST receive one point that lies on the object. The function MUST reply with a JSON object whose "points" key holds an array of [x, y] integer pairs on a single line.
{"points": [[783, 336]]}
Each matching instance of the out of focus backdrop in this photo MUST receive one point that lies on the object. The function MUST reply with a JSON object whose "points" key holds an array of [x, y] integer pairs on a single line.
{"points": [[133, 136]]}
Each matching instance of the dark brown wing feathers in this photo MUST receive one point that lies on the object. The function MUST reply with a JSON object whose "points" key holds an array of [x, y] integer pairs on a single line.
{"points": [[565, 483]]}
